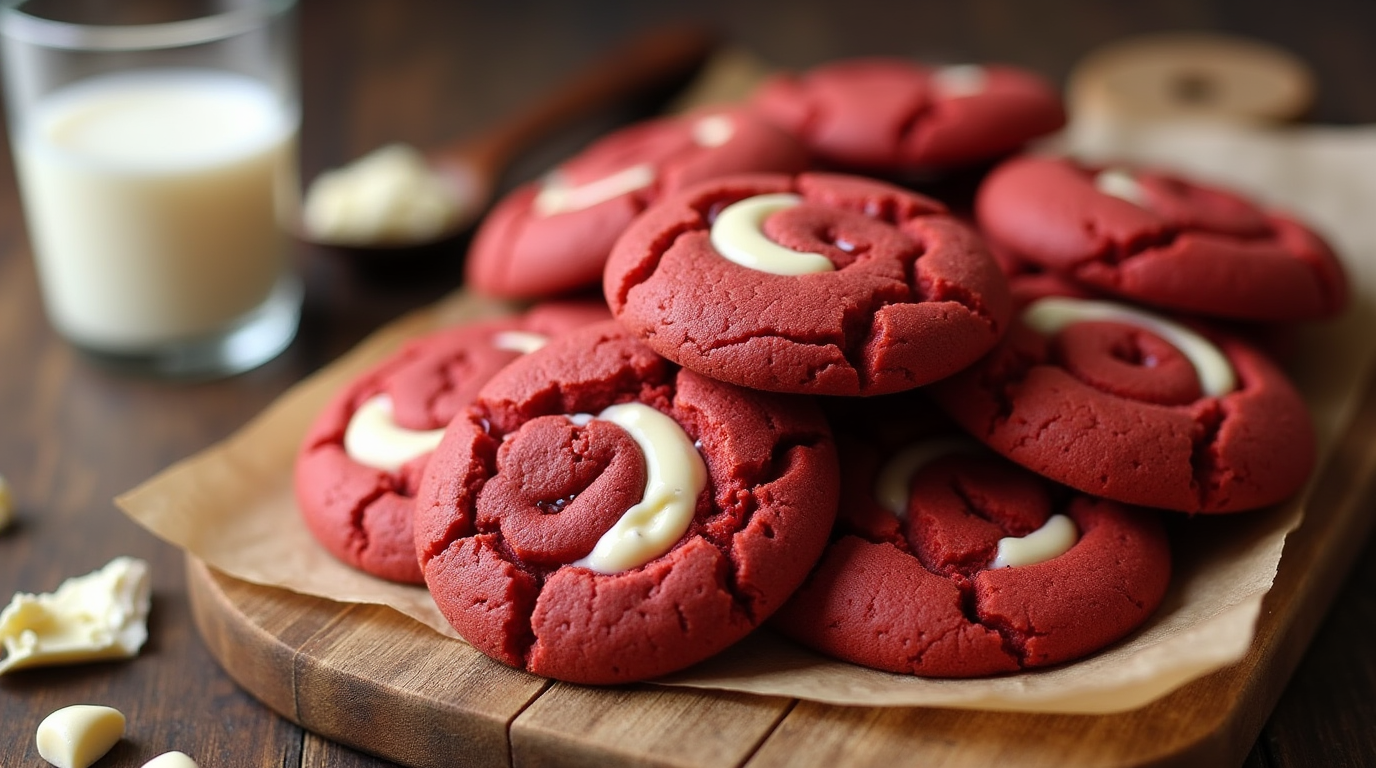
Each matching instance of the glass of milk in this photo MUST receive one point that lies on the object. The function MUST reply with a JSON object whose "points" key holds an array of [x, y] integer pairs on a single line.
{"points": [[155, 149]]}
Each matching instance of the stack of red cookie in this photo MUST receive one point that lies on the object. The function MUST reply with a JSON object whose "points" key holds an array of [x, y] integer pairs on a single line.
{"points": [[805, 406]]}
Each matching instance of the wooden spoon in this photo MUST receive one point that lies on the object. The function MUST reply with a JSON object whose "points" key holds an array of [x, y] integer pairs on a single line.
{"points": [[473, 165]]}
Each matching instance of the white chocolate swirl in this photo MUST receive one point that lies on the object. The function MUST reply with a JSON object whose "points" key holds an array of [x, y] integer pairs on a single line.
{"points": [[674, 476], [1051, 314], [737, 234]]}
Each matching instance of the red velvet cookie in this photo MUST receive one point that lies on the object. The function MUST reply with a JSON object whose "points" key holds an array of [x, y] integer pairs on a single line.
{"points": [[821, 284], [361, 461], [552, 236], [896, 116], [948, 561], [1159, 239], [595, 443], [1129, 405]]}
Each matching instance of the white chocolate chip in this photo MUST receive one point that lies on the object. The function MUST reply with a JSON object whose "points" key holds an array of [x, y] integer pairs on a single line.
{"points": [[960, 80], [738, 236], [374, 439], [79, 735], [674, 476], [524, 342], [102, 615], [1216, 376], [713, 130], [6, 504], [388, 196], [1121, 184], [171, 760], [557, 195], [1056, 536], [891, 486]]}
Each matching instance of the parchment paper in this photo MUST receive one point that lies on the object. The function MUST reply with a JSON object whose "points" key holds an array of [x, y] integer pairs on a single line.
{"points": [[232, 505]]}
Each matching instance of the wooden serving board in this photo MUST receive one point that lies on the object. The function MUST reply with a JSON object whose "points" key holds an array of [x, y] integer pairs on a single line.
{"points": [[375, 680]]}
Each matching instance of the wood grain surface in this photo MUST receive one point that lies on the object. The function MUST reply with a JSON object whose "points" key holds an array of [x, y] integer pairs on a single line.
{"points": [[73, 435]]}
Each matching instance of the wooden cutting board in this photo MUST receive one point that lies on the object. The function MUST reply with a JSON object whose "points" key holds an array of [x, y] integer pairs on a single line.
{"points": [[375, 680]]}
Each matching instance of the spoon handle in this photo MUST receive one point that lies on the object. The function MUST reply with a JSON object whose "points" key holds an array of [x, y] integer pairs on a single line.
{"points": [[635, 68]]}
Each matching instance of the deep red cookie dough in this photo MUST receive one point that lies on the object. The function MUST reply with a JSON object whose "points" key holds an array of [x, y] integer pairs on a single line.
{"points": [[913, 594], [362, 514], [890, 116], [516, 492], [914, 297], [1118, 412], [1186, 246], [519, 252]]}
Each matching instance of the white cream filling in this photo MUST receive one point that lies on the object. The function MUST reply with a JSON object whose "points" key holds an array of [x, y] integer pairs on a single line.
{"points": [[892, 489], [102, 615], [557, 195], [674, 476], [1053, 313], [738, 235], [1121, 184], [892, 486], [524, 342], [960, 80], [713, 130], [79, 735], [1056, 536], [374, 439]]}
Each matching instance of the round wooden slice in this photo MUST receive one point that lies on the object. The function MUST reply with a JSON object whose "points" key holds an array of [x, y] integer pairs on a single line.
{"points": [[1191, 75]]}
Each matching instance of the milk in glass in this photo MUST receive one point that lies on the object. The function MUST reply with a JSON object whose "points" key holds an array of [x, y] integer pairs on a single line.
{"points": [[152, 199]]}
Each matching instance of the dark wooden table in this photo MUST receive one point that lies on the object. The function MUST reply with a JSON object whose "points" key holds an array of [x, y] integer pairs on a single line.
{"points": [[73, 435]]}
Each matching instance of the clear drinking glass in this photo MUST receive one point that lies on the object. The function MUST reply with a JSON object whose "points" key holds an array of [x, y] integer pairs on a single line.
{"points": [[155, 148]]}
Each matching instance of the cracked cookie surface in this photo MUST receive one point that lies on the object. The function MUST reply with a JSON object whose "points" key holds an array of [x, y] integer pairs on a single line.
{"points": [[1157, 238], [893, 116], [359, 506], [913, 592], [912, 295], [553, 235], [524, 484], [911, 581], [1116, 410]]}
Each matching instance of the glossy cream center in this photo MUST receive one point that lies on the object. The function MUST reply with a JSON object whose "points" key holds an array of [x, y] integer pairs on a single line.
{"points": [[893, 485], [675, 475], [738, 235], [1053, 313], [374, 439]]}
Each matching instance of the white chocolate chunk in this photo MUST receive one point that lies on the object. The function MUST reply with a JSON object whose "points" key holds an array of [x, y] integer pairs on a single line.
{"points": [[1121, 184], [960, 80], [1056, 536], [6, 504], [374, 439], [79, 735], [102, 615], [388, 196], [713, 130], [1053, 313], [171, 760], [674, 476], [738, 236], [891, 486], [524, 342], [557, 195]]}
